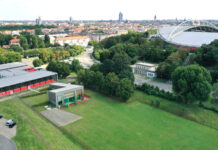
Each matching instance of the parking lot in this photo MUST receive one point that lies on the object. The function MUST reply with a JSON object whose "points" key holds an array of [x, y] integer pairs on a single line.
{"points": [[5, 130]]}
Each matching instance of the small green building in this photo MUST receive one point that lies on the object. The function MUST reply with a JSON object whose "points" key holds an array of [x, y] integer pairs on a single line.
{"points": [[65, 94]]}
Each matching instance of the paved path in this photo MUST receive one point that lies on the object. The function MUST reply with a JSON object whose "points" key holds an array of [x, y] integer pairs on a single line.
{"points": [[86, 59], [7, 144], [163, 86]]}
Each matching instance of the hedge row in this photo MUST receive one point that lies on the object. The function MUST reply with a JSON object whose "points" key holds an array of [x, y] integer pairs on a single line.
{"points": [[151, 90]]}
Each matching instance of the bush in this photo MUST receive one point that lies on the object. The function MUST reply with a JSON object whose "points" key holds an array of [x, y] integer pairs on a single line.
{"points": [[37, 62], [157, 104]]}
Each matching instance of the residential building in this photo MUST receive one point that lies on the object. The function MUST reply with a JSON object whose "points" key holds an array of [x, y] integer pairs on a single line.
{"points": [[73, 40], [14, 41]]}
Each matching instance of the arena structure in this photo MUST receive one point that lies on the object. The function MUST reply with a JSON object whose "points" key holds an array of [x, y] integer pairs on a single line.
{"points": [[17, 77], [189, 34]]}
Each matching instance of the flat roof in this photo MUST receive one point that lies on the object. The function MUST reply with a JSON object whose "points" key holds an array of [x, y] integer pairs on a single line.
{"points": [[63, 87], [146, 64], [12, 65], [29, 76]]}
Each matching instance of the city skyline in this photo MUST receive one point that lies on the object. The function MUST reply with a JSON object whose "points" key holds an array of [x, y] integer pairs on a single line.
{"points": [[96, 10]]}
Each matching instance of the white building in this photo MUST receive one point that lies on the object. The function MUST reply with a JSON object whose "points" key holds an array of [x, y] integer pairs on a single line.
{"points": [[145, 69], [73, 40]]}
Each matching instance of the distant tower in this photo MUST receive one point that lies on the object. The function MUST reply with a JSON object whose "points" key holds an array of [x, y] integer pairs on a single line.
{"points": [[155, 18], [71, 20], [120, 17]]}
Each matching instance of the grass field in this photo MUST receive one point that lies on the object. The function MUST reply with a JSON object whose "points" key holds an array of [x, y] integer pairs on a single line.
{"points": [[34, 132], [111, 125], [203, 116]]}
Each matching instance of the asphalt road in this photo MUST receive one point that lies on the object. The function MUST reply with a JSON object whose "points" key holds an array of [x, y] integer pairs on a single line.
{"points": [[163, 86], [7, 144]]}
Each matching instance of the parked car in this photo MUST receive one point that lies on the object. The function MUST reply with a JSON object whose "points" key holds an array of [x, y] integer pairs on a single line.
{"points": [[10, 123], [1, 116]]}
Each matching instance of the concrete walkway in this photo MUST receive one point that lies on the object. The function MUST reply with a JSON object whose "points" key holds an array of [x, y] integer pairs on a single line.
{"points": [[7, 144], [60, 117]]}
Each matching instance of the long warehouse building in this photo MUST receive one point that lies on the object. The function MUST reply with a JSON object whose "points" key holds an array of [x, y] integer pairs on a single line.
{"points": [[16, 77]]}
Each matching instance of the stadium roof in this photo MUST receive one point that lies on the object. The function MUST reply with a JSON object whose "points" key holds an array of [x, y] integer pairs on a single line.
{"points": [[189, 35]]}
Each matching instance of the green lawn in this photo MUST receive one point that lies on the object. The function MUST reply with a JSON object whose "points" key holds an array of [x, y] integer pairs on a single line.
{"points": [[110, 125], [191, 112], [73, 74], [34, 132]]}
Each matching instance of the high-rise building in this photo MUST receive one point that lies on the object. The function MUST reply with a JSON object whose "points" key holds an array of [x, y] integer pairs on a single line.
{"points": [[155, 18], [39, 21], [71, 20], [120, 17]]}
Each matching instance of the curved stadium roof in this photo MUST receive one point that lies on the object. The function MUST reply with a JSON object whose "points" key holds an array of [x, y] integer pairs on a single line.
{"points": [[189, 35]]}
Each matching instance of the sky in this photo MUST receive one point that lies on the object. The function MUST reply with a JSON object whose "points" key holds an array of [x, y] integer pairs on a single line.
{"points": [[108, 9]]}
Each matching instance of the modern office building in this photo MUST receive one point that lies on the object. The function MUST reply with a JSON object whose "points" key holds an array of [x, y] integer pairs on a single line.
{"points": [[145, 69], [66, 94], [16, 77], [189, 34], [120, 17], [39, 21]]}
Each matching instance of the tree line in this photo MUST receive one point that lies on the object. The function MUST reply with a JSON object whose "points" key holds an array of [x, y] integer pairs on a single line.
{"points": [[9, 56], [136, 45], [27, 27], [54, 54]]}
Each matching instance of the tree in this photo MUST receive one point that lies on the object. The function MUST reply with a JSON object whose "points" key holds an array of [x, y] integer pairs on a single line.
{"points": [[98, 80], [44, 55], [47, 40], [107, 66], [61, 68], [111, 83], [192, 83], [38, 31], [41, 43], [75, 65], [121, 61], [13, 57], [16, 48], [125, 89], [37, 62], [23, 42], [35, 42], [127, 73]]}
